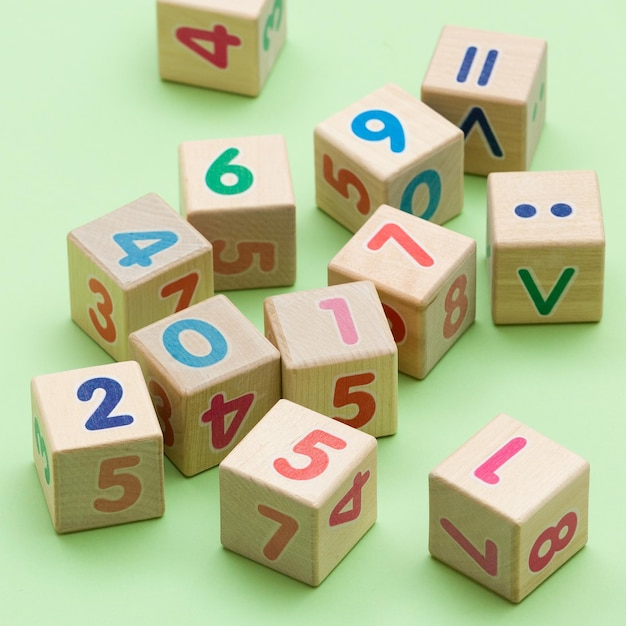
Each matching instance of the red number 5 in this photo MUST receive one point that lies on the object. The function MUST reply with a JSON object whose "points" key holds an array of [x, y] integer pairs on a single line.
{"points": [[307, 447], [365, 401]]}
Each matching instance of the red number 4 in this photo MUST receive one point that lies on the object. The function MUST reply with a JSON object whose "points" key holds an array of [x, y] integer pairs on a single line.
{"points": [[219, 37]]}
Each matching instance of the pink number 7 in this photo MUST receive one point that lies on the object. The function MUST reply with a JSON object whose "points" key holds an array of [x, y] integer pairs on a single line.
{"points": [[487, 470], [404, 240]]}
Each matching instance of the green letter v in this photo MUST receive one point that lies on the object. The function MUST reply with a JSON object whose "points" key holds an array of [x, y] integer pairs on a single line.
{"points": [[543, 305]]}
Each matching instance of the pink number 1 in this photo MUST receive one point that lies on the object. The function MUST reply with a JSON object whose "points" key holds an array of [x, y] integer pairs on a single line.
{"points": [[343, 317], [487, 471]]}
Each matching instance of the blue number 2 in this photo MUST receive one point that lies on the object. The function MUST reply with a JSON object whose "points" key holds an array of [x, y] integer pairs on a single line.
{"points": [[101, 418], [142, 255], [391, 128]]}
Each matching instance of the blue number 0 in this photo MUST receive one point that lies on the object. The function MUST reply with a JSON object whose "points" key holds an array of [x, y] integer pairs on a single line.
{"points": [[432, 180], [172, 343]]}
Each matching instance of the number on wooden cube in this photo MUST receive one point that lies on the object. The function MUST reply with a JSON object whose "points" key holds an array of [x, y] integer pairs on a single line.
{"points": [[212, 375], [338, 354], [97, 446], [493, 87], [508, 508], [219, 44], [388, 148], [545, 247], [238, 194], [425, 276], [298, 492], [133, 266]]}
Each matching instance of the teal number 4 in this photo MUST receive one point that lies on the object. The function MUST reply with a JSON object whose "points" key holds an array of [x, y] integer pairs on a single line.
{"points": [[546, 304]]}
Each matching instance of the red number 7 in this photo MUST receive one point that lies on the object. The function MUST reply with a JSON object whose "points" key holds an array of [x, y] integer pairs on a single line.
{"points": [[487, 561], [279, 540]]}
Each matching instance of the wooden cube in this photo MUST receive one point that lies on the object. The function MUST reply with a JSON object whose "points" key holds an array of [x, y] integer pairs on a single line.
{"points": [[493, 87], [238, 194], [298, 492], [545, 247], [133, 266], [212, 376], [425, 276], [388, 148], [97, 446], [508, 508], [338, 354], [220, 44]]}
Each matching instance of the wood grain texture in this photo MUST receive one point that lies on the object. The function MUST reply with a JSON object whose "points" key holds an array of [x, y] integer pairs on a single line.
{"points": [[338, 354], [431, 144], [212, 376], [509, 507], [504, 76], [255, 32], [546, 247], [247, 211], [111, 294], [97, 471], [302, 524], [429, 301]]}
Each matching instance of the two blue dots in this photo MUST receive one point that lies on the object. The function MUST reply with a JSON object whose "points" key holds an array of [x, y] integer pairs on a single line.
{"points": [[560, 209]]}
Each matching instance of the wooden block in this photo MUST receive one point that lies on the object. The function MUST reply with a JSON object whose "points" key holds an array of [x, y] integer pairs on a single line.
{"points": [[220, 44], [212, 375], [238, 194], [508, 508], [97, 446], [132, 267], [298, 492], [425, 276], [545, 247], [388, 148], [338, 354], [492, 86]]}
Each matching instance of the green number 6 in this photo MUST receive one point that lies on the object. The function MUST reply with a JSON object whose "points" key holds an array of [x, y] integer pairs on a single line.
{"points": [[227, 178]]}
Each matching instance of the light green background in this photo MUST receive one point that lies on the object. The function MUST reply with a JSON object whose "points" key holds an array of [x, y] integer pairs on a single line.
{"points": [[87, 126]]}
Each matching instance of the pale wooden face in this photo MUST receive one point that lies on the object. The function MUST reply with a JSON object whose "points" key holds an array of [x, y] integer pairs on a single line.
{"points": [[484, 64], [545, 208]]}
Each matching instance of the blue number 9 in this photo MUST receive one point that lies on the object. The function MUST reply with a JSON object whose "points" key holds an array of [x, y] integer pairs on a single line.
{"points": [[392, 128]]}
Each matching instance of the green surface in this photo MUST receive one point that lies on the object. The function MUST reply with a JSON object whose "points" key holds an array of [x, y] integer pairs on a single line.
{"points": [[87, 126]]}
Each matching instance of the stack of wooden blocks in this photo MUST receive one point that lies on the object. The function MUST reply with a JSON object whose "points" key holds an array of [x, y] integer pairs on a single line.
{"points": [[194, 379]]}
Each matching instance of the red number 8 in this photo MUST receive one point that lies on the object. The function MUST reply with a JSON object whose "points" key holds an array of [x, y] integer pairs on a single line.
{"points": [[537, 561]]}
